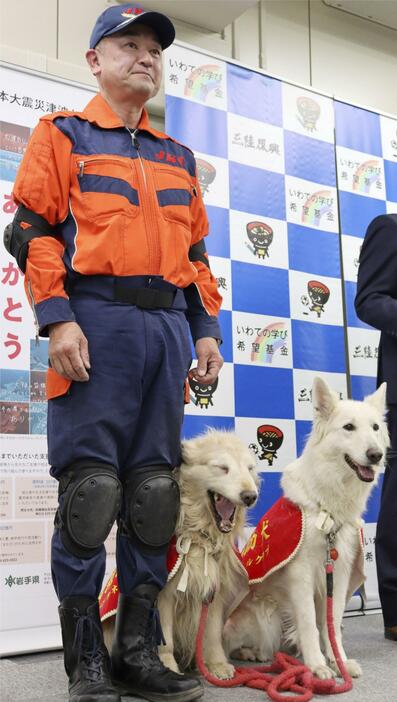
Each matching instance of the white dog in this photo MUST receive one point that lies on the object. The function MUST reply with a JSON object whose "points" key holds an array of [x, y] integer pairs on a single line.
{"points": [[330, 484], [218, 481]]}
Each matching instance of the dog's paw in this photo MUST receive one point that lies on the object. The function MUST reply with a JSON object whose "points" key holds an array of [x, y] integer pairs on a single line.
{"points": [[244, 654], [262, 655], [223, 671], [353, 668], [322, 671], [169, 661]]}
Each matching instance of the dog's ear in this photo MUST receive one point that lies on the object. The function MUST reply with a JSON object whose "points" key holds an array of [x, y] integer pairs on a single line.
{"points": [[324, 399], [378, 398]]}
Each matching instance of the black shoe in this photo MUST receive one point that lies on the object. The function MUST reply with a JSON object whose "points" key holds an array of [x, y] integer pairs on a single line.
{"points": [[136, 666], [86, 658], [391, 633]]}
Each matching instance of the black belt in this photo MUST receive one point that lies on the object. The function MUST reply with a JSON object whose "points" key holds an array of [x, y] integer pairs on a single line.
{"points": [[147, 298], [147, 292]]}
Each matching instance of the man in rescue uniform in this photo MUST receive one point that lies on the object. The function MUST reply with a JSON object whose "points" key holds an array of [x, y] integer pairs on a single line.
{"points": [[110, 233]]}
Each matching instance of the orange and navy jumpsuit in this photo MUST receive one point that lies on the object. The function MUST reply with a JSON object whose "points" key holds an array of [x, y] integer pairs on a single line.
{"points": [[127, 212]]}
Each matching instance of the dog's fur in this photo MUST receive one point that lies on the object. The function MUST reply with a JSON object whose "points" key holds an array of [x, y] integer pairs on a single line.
{"points": [[218, 463], [289, 607]]}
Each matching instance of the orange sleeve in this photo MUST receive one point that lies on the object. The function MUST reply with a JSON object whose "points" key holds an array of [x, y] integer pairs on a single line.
{"points": [[42, 185], [42, 182]]}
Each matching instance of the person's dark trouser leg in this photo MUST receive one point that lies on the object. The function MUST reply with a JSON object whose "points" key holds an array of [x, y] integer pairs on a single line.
{"points": [[75, 576], [386, 533], [77, 581], [123, 412], [157, 436], [96, 421], [92, 421], [78, 563], [142, 570]]}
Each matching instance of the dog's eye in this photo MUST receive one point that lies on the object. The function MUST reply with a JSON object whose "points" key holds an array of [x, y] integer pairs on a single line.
{"points": [[224, 468], [349, 427], [375, 427], [251, 468]]}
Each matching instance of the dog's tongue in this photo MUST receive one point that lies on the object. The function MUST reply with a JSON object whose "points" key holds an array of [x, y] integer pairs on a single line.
{"points": [[224, 507], [366, 473]]}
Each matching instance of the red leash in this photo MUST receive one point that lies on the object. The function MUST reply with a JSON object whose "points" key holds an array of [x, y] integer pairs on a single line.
{"points": [[285, 674]]}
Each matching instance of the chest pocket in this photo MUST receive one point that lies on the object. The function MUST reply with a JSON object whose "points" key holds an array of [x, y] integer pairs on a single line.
{"points": [[105, 187], [174, 194]]}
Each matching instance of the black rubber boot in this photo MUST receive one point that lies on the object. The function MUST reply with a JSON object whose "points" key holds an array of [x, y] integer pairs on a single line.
{"points": [[86, 657], [136, 666]]}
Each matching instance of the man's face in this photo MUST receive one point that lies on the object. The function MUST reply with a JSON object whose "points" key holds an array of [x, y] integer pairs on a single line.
{"points": [[129, 64]]}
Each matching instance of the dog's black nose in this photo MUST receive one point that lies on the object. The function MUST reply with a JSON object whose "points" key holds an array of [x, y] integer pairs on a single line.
{"points": [[248, 497], [374, 456]]}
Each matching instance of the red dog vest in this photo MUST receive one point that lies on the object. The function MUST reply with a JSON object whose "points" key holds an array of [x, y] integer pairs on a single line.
{"points": [[275, 540]]}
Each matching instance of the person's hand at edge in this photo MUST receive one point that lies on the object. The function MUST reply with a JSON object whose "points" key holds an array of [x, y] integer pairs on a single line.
{"points": [[68, 351], [209, 360]]}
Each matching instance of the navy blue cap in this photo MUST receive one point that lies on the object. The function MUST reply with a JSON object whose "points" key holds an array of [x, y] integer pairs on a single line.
{"points": [[117, 17]]}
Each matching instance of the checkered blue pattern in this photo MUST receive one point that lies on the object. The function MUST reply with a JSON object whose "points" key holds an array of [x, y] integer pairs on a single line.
{"points": [[272, 202]]}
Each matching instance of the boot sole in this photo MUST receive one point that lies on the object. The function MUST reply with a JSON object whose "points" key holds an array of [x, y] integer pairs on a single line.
{"points": [[194, 694], [90, 697]]}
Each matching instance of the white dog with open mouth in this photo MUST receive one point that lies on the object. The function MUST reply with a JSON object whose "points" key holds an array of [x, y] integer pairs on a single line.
{"points": [[328, 487], [218, 482]]}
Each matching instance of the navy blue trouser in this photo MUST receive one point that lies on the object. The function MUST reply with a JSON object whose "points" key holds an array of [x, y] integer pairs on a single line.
{"points": [[129, 414], [386, 531]]}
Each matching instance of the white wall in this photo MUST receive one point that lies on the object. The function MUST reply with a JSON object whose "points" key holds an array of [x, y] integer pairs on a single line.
{"points": [[303, 41]]}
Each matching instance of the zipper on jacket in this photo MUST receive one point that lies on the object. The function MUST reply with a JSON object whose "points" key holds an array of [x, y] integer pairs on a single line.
{"points": [[135, 144], [134, 139], [150, 218], [36, 321]]}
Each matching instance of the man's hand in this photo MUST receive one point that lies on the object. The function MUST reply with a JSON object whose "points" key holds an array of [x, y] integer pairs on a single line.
{"points": [[68, 351], [209, 360]]}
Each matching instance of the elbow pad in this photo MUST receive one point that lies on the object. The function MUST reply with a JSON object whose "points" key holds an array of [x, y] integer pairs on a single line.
{"points": [[197, 253], [26, 225]]}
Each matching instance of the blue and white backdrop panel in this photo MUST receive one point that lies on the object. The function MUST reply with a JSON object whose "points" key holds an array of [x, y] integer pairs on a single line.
{"points": [[266, 158]]}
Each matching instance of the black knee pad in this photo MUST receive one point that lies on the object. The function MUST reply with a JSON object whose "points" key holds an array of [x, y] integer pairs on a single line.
{"points": [[90, 502], [152, 503]]}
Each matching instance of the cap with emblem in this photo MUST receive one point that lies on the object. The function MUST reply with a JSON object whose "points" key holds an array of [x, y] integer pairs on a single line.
{"points": [[118, 17]]}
